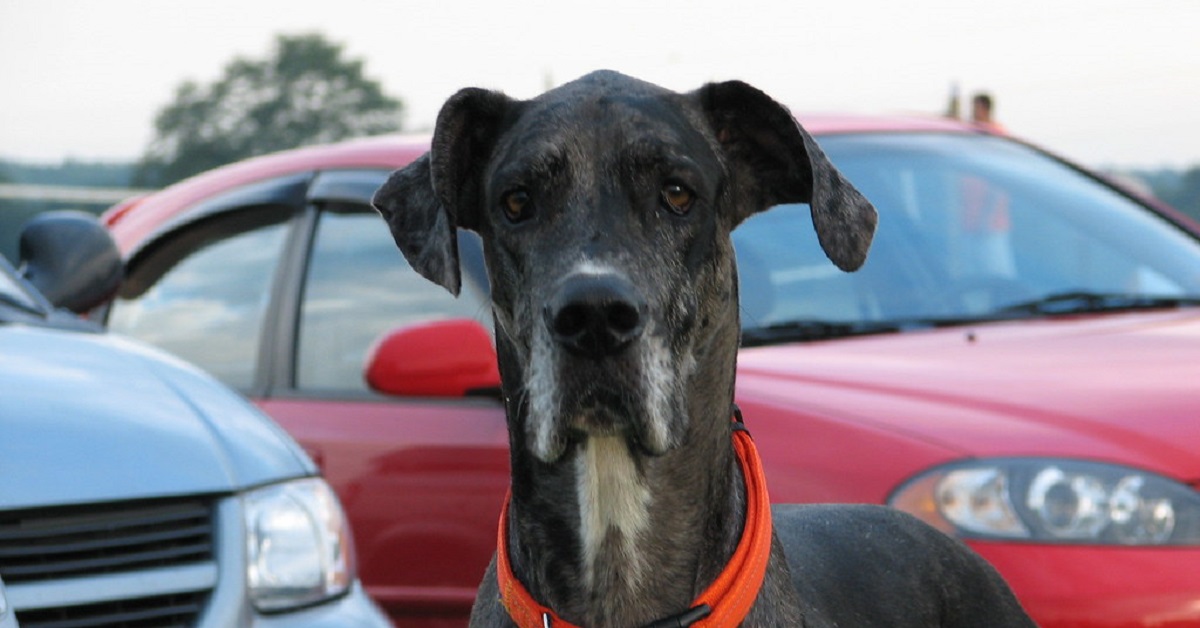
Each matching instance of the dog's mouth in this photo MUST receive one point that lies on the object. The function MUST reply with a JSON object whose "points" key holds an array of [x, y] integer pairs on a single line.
{"points": [[608, 413], [634, 395], [604, 399]]}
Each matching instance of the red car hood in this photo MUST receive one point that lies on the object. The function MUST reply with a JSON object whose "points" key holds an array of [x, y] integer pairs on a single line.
{"points": [[1122, 388]]}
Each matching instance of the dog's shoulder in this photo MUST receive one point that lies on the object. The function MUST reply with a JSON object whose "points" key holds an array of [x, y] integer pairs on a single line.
{"points": [[488, 611], [865, 565]]}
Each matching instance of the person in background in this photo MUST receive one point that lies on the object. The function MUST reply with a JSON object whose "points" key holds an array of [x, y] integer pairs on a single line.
{"points": [[952, 106], [982, 107], [984, 248]]}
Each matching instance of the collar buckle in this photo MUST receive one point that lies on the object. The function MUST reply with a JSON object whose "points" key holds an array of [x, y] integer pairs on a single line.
{"points": [[684, 619]]}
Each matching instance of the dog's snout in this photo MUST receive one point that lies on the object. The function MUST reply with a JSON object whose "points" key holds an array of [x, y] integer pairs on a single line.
{"points": [[595, 315]]}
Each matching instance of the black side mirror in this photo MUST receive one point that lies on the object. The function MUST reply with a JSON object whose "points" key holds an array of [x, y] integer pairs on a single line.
{"points": [[71, 259]]}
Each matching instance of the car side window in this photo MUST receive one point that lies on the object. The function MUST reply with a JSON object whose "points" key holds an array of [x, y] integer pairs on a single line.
{"points": [[203, 295], [358, 287]]}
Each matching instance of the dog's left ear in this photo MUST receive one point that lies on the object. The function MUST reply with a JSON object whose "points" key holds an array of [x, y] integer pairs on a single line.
{"points": [[774, 160], [425, 202]]}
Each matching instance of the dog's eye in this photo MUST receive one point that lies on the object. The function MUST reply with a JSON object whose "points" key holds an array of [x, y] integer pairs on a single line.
{"points": [[517, 205], [677, 198]]}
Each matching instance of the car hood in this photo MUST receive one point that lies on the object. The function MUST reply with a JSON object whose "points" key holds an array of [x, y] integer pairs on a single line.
{"points": [[87, 417], [1121, 388]]}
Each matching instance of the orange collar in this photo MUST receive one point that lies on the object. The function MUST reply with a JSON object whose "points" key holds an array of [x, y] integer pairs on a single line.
{"points": [[724, 604]]}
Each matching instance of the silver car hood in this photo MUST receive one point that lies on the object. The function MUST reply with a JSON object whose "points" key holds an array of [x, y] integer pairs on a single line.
{"points": [[89, 417]]}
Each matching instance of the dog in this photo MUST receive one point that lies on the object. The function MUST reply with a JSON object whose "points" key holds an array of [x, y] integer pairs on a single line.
{"points": [[605, 208]]}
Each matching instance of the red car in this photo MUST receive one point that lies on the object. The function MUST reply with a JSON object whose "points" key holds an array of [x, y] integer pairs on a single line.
{"points": [[1018, 362]]}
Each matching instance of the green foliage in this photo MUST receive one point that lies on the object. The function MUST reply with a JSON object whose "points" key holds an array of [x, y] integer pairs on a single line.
{"points": [[101, 174], [305, 93], [1186, 193], [14, 211], [1178, 188]]}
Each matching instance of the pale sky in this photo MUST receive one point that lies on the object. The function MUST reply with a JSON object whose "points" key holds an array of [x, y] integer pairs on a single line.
{"points": [[1104, 82]]}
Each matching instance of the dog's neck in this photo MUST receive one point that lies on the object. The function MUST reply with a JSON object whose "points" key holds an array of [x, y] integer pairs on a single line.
{"points": [[614, 512], [609, 536]]}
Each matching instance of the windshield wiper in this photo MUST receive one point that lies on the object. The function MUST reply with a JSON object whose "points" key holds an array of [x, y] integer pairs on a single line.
{"points": [[798, 331], [1081, 302], [1076, 302]]}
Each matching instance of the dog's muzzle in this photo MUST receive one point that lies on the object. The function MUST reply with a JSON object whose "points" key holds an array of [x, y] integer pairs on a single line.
{"points": [[595, 316], [596, 367]]}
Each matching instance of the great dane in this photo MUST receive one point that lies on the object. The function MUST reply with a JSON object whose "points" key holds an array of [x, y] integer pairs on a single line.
{"points": [[605, 207]]}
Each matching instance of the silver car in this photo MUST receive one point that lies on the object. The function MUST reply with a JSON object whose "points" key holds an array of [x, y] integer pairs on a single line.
{"points": [[137, 490]]}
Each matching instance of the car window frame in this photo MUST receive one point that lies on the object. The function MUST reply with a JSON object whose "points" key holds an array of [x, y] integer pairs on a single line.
{"points": [[336, 186], [288, 190], [281, 192], [305, 195]]}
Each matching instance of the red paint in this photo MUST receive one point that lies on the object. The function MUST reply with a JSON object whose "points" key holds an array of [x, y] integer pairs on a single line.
{"points": [[451, 358]]}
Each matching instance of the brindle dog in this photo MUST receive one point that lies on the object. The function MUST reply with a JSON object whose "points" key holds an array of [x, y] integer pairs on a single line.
{"points": [[605, 208]]}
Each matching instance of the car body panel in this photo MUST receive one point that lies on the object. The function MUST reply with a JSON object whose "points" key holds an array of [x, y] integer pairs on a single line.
{"points": [[444, 465], [388, 152], [1106, 587], [205, 438], [1078, 387]]}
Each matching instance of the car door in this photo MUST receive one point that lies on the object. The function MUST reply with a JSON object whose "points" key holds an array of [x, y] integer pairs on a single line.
{"points": [[283, 300]]}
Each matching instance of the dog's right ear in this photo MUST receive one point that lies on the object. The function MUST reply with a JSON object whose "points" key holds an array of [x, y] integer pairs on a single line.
{"points": [[425, 202], [423, 229]]}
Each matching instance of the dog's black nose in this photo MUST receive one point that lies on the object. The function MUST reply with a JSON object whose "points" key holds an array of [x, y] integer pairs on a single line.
{"points": [[595, 315]]}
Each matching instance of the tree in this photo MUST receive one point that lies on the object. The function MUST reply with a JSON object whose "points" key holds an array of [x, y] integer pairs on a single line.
{"points": [[1186, 196], [306, 93]]}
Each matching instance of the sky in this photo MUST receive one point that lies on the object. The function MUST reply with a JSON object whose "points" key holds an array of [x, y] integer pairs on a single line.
{"points": [[1108, 83]]}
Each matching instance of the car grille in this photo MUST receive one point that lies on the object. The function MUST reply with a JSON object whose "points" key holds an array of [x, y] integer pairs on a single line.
{"points": [[53, 544], [165, 611]]}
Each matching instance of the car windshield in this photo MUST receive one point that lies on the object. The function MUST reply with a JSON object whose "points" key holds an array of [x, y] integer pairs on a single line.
{"points": [[971, 227]]}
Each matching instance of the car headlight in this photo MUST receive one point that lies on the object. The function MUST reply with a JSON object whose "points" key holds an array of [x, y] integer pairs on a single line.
{"points": [[3, 601], [298, 545], [1050, 500]]}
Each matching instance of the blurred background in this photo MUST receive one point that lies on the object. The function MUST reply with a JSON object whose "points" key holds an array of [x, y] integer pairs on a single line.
{"points": [[103, 99]]}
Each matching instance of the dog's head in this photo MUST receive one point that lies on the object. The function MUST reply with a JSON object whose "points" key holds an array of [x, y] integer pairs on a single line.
{"points": [[605, 208]]}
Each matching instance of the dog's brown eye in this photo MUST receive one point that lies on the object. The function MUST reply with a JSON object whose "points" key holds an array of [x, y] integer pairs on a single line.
{"points": [[677, 198], [516, 205]]}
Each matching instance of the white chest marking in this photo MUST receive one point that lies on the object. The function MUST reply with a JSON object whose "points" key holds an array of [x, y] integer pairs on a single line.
{"points": [[612, 499]]}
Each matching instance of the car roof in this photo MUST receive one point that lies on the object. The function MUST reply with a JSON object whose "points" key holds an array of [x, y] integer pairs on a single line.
{"points": [[841, 123], [380, 152], [395, 151]]}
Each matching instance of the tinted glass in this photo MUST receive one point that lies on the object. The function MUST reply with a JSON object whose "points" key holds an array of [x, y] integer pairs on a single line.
{"points": [[204, 295], [967, 226], [357, 288]]}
